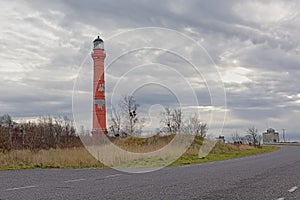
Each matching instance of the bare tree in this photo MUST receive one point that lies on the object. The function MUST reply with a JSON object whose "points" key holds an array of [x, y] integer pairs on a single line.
{"points": [[129, 108], [177, 120], [253, 136], [167, 120], [248, 139], [171, 120], [48, 132], [115, 120], [197, 127], [193, 124], [237, 138]]}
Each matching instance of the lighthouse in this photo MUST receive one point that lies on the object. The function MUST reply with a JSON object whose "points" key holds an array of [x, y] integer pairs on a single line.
{"points": [[99, 109]]}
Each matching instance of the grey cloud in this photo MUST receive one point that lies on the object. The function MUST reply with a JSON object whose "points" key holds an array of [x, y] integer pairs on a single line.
{"points": [[43, 53]]}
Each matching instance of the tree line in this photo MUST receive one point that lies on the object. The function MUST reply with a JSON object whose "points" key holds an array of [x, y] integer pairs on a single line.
{"points": [[47, 132], [126, 120], [252, 137], [59, 132]]}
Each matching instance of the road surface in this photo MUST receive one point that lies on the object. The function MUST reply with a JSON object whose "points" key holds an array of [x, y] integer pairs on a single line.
{"points": [[274, 175]]}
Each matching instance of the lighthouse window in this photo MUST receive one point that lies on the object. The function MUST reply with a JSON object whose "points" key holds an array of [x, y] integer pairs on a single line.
{"points": [[101, 87]]}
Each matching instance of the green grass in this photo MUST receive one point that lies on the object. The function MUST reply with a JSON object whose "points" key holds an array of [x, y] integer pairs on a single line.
{"points": [[286, 144], [194, 159]]}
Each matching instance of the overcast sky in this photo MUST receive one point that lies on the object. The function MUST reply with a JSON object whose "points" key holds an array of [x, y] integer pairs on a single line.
{"points": [[251, 49]]}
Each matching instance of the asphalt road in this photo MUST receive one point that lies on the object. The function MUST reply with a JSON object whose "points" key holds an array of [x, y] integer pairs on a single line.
{"points": [[274, 175]]}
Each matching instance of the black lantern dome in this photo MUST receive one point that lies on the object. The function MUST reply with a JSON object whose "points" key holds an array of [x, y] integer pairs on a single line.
{"points": [[98, 43]]}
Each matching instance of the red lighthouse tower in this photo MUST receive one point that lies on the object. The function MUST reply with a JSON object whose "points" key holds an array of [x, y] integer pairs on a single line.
{"points": [[99, 109]]}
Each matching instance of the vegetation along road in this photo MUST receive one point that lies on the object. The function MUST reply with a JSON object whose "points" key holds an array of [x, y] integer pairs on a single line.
{"points": [[273, 175]]}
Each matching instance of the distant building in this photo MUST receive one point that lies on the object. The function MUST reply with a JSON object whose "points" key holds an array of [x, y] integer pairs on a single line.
{"points": [[270, 136]]}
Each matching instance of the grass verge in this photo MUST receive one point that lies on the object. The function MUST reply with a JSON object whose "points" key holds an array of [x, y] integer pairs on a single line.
{"points": [[193, 159], [81, 158]]}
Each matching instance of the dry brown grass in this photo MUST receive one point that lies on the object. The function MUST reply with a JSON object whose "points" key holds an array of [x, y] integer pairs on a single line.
{"points": [[142, 145], [123, 151], [140, 148], [54, 158]]}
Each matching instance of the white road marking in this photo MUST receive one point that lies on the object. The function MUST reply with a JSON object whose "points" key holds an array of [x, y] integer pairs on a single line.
{"points": [[20, 188], [75, 180], [281, 198], [293, 189], [113, 175]]}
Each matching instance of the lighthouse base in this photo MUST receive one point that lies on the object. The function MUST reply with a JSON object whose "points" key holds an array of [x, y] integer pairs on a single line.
{"points": [[99, 136]]}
